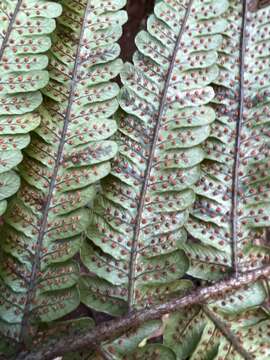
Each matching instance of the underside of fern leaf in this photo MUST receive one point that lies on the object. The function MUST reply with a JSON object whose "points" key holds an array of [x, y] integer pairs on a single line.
{"points": [[129, 346], [137, 222], [234, 328], [24, 29], [133, 344], [227, 229], [69, 153], [228, 224]]}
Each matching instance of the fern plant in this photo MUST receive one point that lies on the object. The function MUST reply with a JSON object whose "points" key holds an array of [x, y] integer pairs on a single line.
{"points": [[185, 202], [24, 30], [69, 152]]}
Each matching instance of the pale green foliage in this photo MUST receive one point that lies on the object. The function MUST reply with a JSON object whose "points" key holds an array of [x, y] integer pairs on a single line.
{"points": [[130, 346], [211, 224], [232, 329], [187, 192], [137, 222], [24, 29], [68, 154], [236, 327]]}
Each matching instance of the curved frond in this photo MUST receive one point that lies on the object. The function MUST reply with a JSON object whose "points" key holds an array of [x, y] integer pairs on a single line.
{"points": [[228, 225], [24, 38], [69, 153], [138, 219]]}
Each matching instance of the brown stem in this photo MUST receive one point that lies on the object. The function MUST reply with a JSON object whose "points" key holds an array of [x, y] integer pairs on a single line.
{"points": [[114, 328], [12, 18], [104, 355], [45, 214], [229, 335], [236, 176]]}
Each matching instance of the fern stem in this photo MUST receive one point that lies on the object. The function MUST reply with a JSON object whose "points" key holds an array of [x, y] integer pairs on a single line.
{"points": [[235, 186], [151, 159], [43, 226], [103, 354], [114, 328], [228, 334], [9, 29]]}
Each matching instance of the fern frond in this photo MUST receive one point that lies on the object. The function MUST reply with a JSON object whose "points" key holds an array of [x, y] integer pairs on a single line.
{"points": [[234, 328], [231, 214], [24, 30], [138, 220], [70, 151]]}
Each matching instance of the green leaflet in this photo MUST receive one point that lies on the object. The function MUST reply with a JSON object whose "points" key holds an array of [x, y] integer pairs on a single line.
{"points": [[129, 343], [149, 352], [132, 345], [231, 214], [234, 328], [137, 222], [69, 153], [24, 37]]}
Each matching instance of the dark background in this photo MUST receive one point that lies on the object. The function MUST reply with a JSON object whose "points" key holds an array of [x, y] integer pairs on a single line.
{"points": [[138, 11]]}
